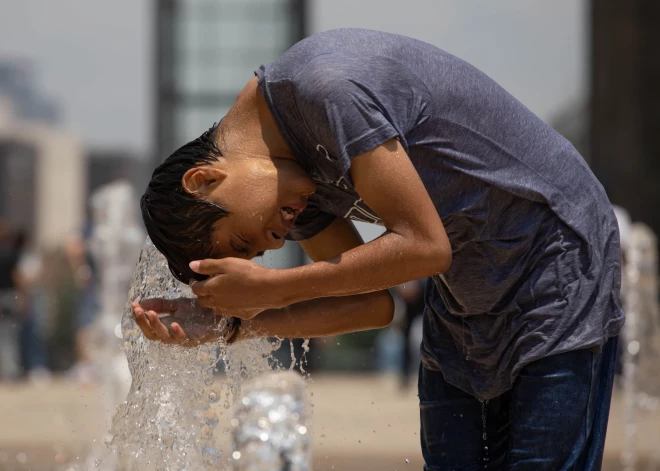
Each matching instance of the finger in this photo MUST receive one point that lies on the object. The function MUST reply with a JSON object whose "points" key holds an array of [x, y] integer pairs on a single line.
{"points": [[159, 329], [178, 333], [143, 322], [208, 266], [161, 306], [201, 288]]}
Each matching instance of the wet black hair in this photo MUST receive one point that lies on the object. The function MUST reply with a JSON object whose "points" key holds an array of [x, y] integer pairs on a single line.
{"points": [[180, 224]]}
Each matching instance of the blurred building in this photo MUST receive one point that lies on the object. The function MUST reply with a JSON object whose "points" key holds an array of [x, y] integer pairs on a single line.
{"points": [[46, 175], [42, 169], [625, 111], [17, 81], [573, 124], [42, 177], [107, 165], [206, 51]]}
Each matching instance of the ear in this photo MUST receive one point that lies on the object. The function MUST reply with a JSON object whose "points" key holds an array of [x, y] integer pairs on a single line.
{"points": [[202, 180]]}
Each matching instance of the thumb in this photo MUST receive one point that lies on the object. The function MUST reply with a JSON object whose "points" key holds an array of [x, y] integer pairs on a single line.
{"points": [[207, 267]]}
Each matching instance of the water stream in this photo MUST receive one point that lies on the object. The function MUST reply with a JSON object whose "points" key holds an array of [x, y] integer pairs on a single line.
{"points": [[179, 413], [171, 417], [641, 344]]}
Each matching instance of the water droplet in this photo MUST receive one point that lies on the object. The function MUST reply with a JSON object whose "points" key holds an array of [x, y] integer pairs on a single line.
{"points": [[633, 347], [293, 355], [21, 458]]}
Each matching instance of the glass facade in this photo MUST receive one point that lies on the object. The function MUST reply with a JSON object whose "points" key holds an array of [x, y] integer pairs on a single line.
{"points": [[18, 162], [206, 51]]}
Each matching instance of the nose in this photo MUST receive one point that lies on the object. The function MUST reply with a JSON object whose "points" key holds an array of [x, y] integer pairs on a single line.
{"points": [[275, 241]]}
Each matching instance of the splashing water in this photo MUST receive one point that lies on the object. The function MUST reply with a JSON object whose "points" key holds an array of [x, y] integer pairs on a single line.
{"points": [[171, 417], [271, 425], [484, 434]]}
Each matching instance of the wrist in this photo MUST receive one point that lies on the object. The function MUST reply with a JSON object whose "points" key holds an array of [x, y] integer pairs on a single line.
{"points": [[282, 287]]}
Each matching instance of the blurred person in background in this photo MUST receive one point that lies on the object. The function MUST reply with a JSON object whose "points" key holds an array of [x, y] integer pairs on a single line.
{"points": [[61, 291], [31, 310], [412, 295], [9, 312], [86, 304]]}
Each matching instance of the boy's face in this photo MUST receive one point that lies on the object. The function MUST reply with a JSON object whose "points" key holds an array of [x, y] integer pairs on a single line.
{"points": [[262, 195]]}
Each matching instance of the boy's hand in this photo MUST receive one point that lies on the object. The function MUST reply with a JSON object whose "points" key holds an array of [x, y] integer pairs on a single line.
{"points": [[237, 287], [186, 322]]}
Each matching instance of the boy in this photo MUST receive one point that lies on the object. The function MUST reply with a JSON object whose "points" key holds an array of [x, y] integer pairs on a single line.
{"points": [[517, 235]]}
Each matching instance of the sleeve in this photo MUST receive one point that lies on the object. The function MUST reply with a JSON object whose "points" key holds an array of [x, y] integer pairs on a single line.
{"points": [[351, 104]]}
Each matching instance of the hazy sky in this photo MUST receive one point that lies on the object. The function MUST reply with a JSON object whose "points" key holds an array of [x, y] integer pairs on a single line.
{"points": [[94, 57]]}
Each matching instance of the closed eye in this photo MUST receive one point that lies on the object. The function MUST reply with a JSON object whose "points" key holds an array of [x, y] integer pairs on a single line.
{"points": [[240, 249]]}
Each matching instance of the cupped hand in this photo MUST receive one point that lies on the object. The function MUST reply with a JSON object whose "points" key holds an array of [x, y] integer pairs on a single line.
{"points": [[236, 287], [184, 322]]}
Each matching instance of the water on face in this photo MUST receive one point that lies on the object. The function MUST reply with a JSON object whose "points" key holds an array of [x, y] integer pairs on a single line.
{"points": [[172, 417]]}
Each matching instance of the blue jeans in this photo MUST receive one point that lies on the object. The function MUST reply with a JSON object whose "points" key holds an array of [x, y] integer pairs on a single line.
{"points": [[554, 417]]}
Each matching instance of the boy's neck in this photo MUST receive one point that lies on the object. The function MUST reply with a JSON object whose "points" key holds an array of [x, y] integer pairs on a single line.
{"points": [[250, 126]]}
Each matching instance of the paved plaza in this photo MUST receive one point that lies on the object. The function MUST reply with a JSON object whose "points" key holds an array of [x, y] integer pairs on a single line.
{"points": [[360, 423]]}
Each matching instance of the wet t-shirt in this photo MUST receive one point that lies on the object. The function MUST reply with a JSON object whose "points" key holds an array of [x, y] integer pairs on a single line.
{"points": [[535, 247]]}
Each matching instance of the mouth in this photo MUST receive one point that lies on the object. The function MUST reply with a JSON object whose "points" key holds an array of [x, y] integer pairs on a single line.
{"points": [[288, 215]]}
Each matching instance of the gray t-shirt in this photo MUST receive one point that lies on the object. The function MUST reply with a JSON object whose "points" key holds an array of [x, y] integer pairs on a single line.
{"points": [[535, 244]]}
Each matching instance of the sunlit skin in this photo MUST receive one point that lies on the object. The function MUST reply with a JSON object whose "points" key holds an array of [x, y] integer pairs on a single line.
{"points": [[256, 178], [254, 191], [259, 182]]}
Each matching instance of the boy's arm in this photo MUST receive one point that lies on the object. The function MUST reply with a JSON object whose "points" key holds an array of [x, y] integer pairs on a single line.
{"points": [[322, 317], [325, 316], [183, 323], [415, 245]]}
